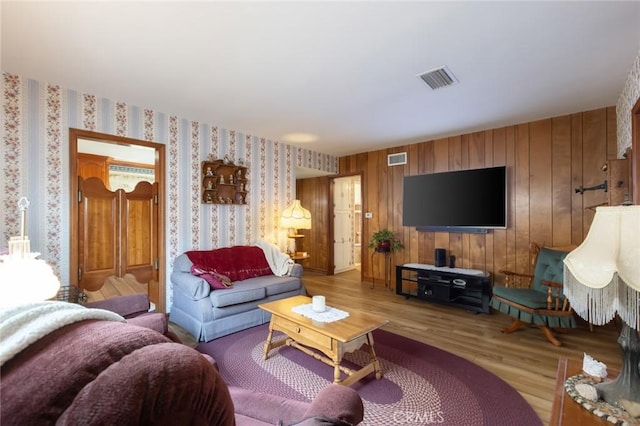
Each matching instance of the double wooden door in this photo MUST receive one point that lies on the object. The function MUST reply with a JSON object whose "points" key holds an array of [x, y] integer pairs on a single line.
{"points": [[118, 234]]}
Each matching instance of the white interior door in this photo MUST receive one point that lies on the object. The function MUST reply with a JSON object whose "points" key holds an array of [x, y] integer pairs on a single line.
{"points": [[343, 230]]}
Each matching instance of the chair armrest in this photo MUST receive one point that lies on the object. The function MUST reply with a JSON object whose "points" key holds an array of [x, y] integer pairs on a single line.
{"points": [[554, 300], [337, 402], [516, 279], [194, 287], [128, 306], [552, 284]]}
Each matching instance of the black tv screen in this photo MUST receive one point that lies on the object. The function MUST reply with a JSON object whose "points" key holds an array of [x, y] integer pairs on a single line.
{"points": [[456, 200]]}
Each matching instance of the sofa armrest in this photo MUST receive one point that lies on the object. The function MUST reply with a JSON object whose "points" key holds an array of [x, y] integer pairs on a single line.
{"points": [[296, 270], [194, 287], [337, 402], [128, 306]]}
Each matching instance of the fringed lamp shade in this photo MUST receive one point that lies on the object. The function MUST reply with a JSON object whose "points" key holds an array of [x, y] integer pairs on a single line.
{"points": [[602, 279], [602, 276], [295, 216]]}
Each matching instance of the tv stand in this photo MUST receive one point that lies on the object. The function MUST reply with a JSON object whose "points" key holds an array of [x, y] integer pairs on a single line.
{"points": [[469, 289]]}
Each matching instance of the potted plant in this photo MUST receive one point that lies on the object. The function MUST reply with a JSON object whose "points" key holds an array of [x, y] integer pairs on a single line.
{"points": [[384, 241]]}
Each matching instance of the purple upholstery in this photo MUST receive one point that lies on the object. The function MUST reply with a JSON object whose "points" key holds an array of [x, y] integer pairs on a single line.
{"points": [[128, 373], [106, 372], [333, 402]]}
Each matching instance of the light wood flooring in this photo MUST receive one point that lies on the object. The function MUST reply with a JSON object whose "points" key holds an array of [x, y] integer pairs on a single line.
{"points": [[524, 359], [114, 286]]}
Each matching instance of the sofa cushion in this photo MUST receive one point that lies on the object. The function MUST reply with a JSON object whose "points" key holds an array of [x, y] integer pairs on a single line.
{"points": [[240, 293], [237, 262]]}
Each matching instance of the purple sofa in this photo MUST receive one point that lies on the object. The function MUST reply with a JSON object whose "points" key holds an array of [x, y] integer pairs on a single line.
{"points": [[99, 372]]}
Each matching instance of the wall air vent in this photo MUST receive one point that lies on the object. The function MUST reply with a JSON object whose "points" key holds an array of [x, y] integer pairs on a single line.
{"points": [[438, 77], [397, 159]]}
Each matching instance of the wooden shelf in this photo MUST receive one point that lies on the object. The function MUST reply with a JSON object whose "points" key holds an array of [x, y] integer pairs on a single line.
{"points": [[223, 183]]}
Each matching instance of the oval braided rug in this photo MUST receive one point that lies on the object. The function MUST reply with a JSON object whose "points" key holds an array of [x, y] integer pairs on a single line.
{"points": [[422, 385]]}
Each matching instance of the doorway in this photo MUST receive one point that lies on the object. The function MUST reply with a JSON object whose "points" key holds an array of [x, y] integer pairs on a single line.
{"points": [[117, 218], [347, 224]]}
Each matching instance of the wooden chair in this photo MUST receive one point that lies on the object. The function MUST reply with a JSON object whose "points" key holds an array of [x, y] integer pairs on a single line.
{"points": [[537, 299]]}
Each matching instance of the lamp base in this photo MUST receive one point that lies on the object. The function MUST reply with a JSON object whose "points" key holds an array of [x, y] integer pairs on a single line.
{"points": [[627, 385]]}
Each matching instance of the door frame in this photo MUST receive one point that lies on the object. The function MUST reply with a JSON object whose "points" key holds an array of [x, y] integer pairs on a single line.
{"points": [[330, 244], [74, 135]]}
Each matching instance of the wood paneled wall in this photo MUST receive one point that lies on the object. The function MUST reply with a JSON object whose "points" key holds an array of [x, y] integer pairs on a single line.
{"points": [[314, 196], [546, 160]]}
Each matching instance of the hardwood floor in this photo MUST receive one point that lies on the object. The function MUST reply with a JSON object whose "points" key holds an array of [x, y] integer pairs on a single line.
{"points": [[114, 286], [524, 359]]}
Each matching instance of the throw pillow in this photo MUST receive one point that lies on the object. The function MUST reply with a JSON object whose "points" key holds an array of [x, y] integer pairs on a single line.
{"points": [[215, 280]]}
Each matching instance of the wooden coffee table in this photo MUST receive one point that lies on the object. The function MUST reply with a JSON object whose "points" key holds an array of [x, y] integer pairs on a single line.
{"points": [[333, 339]]}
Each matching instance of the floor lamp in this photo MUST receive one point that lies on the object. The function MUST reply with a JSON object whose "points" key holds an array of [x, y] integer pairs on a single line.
{"points": [[602, 280]]}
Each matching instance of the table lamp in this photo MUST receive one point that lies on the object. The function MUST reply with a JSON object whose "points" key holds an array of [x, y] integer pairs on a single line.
{"points": [[295, 217], [23, 278], [602, 280]]}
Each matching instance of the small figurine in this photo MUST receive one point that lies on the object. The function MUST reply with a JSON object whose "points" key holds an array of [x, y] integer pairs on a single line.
{"points": [[221, 200], [209, 200], [209, 185], [229, 200], [209, 172], [231, 179], [221, 179], [239, 173], [241, 187]]}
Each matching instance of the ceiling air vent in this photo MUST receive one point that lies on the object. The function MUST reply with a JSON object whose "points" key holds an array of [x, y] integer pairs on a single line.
{"points": [[397, 159], [438, 78]]}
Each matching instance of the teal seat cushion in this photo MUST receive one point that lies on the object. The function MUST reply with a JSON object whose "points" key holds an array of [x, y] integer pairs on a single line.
{"points": [[533, 300], [522, 296], [549, 267]]}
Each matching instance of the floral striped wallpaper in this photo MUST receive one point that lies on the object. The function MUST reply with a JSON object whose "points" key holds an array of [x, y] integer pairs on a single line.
{"points": [[35, 156], [628, 98]]}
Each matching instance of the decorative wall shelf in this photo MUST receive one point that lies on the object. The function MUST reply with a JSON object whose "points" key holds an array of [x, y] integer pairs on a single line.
{"points": [[224, 183]]}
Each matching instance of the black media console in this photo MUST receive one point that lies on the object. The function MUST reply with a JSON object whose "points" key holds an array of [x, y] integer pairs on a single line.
{"points": [[469, 289]]}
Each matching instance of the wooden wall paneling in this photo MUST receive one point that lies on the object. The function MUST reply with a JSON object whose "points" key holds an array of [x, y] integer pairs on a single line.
{"points": [[313, 194], [540, 194], [458, 160], [477, 248], [545, 161], [523, 195], [440, 164], [612, 137], [577, 200], [500, 155], [512, 159], [489, 237], [561, 180], [594, 156], [427, 239], [410, 235]]}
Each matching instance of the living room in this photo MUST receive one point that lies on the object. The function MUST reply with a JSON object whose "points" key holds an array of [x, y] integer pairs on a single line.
{"points": [[547, 158]]}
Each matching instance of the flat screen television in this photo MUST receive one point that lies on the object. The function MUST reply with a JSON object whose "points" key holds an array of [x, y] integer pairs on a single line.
{"points": [[456, 201]]}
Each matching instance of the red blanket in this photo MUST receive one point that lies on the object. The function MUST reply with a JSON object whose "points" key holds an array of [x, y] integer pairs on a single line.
{"points": [[237, 262]]}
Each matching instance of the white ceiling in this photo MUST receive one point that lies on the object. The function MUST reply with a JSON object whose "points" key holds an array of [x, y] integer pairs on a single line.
{"points": [[343, 72]]}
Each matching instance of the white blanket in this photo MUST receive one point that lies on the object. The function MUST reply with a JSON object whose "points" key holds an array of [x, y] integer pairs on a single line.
{"points": [[23, 325], [279, 262]]}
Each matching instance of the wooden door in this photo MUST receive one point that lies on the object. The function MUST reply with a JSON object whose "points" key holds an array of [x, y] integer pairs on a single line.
{"points": [[91, 165], [118, 233], [98, 239], [343, 224]]}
